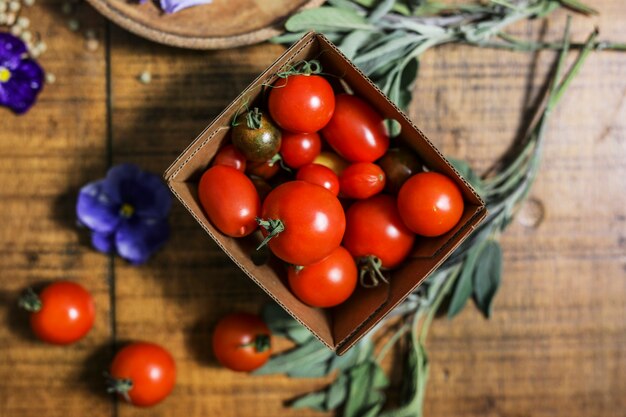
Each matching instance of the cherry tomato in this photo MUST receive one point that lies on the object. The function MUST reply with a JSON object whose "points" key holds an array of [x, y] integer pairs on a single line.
{"points": [[356, 131], [331, 160], [326, 283], [362, 180], [319, 175], [230, 200], [374, 229], [230, 156], [61, 314], [242, 342], [255, 136], [399, 164], [304, 222], [299, 149], [430, 204], [265, 169], [142, 373], [301, 103]]}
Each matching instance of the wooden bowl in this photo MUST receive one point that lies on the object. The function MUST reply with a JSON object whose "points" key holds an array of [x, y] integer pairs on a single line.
{"points": [[219, 25]]}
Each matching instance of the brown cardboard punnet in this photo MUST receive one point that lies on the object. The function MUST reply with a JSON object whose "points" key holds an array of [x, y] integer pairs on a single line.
{"points": [[341, 327]]}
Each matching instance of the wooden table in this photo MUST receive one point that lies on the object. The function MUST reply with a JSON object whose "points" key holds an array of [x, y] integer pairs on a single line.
{"points": [[556, 345]]}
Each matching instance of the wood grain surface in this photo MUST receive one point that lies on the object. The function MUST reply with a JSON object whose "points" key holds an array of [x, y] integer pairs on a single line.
{"points": [[556, 345]]}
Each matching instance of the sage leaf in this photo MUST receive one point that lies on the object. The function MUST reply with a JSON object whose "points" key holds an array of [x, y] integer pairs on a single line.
{"points": [[343, 4], [327, 18], [382, 9], [337, 392], [579, 6], [464, 286], [299, 356], [315, 400], [487, 276], [314, 369], [353, 41], [299, 334]]}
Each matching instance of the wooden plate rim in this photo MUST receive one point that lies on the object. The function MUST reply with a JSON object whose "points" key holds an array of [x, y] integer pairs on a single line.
{"points": [[192, 42]]}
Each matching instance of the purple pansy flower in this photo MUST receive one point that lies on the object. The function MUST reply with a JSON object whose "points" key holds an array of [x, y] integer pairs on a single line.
{"points": [[126, 212], [173, 6], [21, 78]]}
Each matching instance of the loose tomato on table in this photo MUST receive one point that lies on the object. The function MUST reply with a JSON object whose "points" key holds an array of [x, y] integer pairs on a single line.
{"points": [[61, 314], [303, 223], [299, 149], [376, 236], [142, 373], [319, 175], [301, 103], [230, 156], [326, 283], [241, 342], [230, 200], [356, 131], [362, 180], [430, 204]]}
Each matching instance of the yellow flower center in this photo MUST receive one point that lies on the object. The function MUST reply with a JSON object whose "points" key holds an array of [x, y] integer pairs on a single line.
{"points": [[5, 75], [127, 210]]}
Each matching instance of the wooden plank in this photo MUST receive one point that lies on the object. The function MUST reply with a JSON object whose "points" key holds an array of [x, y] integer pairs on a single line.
{"points": [[45, 156], [557, 342]]}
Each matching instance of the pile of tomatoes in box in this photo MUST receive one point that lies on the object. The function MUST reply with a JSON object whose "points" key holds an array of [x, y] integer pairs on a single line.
{"points": [[315, 173]]}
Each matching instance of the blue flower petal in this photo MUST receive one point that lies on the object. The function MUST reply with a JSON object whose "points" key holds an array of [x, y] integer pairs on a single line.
{"points": [[136, 241], [11, 50], [103, 242], [151, 197], [96, 210], [172, 6], [120, 181], [20, 91]]}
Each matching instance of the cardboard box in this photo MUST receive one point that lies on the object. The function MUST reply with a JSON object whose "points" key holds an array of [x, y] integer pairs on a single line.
{"points": [[338, 328]]}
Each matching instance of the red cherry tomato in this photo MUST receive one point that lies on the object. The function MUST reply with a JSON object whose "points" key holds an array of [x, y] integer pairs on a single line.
{"points": [[301, 103], [230, 200], [242, 342], [319, 175], [143, 374], [326, 283], [299, 149], [430, 204], [63, 313], [356, 131], [230, 156], [374, 229], [265, 170], [362, 180], [306, 221]]}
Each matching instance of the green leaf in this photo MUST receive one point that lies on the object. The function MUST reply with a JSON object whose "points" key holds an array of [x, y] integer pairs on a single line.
{"points": [[579, 7], [337, 392], [315, 400], [309, 352], [310, 370], [384, 6], [299, 334], [353, 41], [463, 289], [326, 18], [487, 276]]}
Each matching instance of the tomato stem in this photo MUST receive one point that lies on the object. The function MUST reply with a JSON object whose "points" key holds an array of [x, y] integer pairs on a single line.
{"points": [[301, 68], [273, 227], [371, 268], [30, 301], [278, 158], [119, 386], [261, 343], [253, 118]]}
